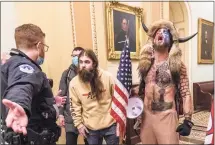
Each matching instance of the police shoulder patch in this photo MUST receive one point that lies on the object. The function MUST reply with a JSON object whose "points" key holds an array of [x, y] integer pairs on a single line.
{"points": [[26, 68]]}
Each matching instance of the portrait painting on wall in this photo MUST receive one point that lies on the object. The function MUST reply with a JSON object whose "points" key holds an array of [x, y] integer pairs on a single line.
{"points": [[123, 28], [205, 41]]}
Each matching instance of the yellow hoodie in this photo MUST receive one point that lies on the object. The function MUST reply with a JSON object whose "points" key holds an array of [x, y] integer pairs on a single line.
{"points": [[87, 111]]}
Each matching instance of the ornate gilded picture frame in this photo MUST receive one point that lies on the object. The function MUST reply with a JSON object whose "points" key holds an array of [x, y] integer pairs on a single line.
{"points": [[205, 41], [123, 25]]}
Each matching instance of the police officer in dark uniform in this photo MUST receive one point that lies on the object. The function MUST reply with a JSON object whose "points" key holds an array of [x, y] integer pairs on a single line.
{"points": [[29, 112]]}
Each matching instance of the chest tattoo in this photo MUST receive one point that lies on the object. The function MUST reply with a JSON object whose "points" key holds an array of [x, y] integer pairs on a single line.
{"points": [[162, 78]]}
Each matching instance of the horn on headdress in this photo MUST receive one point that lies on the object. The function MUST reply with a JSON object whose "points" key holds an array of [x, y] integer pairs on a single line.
{"points": [[144, 27], [182, 40]]}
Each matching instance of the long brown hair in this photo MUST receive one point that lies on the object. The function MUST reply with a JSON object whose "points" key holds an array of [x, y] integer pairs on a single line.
{"points": [[96, 84]]}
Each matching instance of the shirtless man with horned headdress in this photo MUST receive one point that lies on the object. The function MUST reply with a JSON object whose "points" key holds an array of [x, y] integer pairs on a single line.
{"points": [[164, 86]]}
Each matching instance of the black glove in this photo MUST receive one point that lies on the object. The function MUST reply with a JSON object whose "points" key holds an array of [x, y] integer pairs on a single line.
{"points": [[185, 128]]}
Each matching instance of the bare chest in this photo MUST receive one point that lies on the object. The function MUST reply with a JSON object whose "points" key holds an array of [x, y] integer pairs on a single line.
{"points": [[159, 75], [159, 90]]}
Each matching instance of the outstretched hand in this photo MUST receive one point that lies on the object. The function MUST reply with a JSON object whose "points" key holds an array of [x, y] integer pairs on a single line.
{"points": [[60, 100], [16, 117]]}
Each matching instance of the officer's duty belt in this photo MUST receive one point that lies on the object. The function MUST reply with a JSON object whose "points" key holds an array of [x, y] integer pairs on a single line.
{"points": [[32, 138]]}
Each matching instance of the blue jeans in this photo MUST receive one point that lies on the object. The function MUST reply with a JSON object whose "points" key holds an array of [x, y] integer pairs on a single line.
{"points": [[109, 134]]}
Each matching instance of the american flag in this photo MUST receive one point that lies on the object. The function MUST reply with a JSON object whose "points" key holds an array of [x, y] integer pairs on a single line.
{"points": [[209, 139], [122, 88]]}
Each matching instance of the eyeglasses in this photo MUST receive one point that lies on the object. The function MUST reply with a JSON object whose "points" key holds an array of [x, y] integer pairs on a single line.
{"points": [[46, 47]]}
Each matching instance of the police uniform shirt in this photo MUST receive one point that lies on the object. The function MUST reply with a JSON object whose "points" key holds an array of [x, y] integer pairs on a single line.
{"points": [[28, 86]]}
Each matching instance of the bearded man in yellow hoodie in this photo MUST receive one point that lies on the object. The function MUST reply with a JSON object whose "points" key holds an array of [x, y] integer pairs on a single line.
{"points": [[91, 94]]}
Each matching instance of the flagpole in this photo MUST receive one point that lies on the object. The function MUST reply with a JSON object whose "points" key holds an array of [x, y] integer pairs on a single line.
{"points": [[121, 93]]}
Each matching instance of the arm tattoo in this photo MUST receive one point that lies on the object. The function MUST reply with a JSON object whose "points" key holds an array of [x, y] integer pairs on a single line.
{"points": [[185, 92]]}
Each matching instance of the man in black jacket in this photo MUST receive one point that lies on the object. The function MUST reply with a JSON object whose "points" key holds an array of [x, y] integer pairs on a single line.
{"points": [[65, 118], [30, 111]]}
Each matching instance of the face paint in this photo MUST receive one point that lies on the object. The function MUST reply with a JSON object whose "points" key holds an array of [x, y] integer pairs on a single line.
{"points": [[162, 39]]}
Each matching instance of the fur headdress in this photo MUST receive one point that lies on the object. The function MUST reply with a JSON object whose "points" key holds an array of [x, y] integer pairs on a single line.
{"points": [[147, 51]]}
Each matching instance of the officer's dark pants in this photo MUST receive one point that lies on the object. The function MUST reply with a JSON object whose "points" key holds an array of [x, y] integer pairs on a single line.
{"points": [[109, 134], [72, 138]]}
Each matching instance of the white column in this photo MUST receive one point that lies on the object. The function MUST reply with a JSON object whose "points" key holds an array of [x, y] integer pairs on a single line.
{"points": [[8, 24]]}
